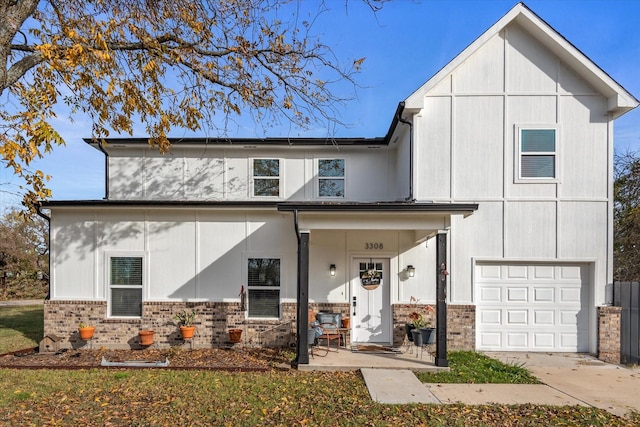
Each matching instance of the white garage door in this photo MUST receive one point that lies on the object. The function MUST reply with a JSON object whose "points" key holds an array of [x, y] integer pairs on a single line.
{"points": [[538, 307]]}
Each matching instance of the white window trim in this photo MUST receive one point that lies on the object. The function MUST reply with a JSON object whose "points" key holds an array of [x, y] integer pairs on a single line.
{"points": [[280, 177], [245, 275], [107, 277], [316, 166], [518, 155]]}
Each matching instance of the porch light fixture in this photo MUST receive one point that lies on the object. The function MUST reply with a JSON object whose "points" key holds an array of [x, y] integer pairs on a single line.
{"points": [[332, 269], [411, 270]]}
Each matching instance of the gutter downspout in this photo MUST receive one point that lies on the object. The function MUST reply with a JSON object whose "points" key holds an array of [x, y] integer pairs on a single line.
{"points": [[48, 219], [406, 122], [106, 170]]}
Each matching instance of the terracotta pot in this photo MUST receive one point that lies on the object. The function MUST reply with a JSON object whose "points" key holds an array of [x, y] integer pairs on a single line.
{"points": [[86, 333], [146, 337], [235, 335], [346, 322], [187, 332]]}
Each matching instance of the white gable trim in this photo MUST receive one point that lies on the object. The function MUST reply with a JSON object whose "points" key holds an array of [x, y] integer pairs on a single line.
{"points": [[619, 101]]}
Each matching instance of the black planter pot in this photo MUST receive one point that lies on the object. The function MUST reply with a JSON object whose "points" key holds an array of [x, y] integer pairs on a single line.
{"points": [[417, 337], [428, 335], [408, 327]]}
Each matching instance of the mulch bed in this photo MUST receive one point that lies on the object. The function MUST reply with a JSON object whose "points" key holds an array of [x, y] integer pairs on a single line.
{"points": [[262, 359]]}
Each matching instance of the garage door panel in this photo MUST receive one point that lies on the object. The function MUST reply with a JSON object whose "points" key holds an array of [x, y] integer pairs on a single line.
{"points": [[491, 317], [517, 340], [491, 340], [544, 317], [516, 272], [569, 295], [571, 272], [543, 295], [543, 272], [535, 307], [491, 294], [490, 272], [543, 340], [568, 341], [517, 317], [517, 294]]}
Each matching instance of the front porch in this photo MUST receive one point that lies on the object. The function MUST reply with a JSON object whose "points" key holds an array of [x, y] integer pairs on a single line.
{"points": [[411, 357]]}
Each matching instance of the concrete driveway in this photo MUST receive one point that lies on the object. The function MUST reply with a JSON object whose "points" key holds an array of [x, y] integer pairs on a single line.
{"points": [[582, 377]]}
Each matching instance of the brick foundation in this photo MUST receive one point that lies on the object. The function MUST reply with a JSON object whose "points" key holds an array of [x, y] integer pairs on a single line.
{"points": [[461, 327], [213, 319], [609, 334], [461, 324], [401, 318]]}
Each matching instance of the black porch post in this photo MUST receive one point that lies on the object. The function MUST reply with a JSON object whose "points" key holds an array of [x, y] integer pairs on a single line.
{"points": [[302, 344], [441, 300]]}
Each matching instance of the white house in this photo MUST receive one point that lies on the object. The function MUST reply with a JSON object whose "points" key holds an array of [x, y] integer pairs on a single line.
{"points": [[494, 181]]}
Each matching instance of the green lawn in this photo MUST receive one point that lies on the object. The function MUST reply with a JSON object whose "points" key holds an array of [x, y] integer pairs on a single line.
{"points": [[201, 398], [99, 397], [469, 367], [20, 327]]}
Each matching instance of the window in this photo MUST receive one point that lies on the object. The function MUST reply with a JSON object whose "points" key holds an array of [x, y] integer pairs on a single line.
{"points": [[266, 177], [263, 287], [331, 178], [538, 153], [125, 286]]}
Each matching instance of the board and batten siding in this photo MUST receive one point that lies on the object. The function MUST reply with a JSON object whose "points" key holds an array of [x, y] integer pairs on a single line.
{"points": [[225, 174], [190, 255], [201, 254], [466, 146]]}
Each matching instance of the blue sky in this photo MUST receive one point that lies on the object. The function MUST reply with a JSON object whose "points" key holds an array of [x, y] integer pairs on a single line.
{"points": [[404, 44]]}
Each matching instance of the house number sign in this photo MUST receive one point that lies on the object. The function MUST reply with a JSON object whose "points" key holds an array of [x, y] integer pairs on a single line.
{"points": [[370, 245]]}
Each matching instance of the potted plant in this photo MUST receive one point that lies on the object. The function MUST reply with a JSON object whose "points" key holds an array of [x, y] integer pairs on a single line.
{"points": [[85, 331], [346, 322], [146, 337], [186, 320], [420, 327], [235, 335]]}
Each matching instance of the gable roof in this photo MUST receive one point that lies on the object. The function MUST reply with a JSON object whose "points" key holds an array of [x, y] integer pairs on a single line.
{"points": [[619, 99]]}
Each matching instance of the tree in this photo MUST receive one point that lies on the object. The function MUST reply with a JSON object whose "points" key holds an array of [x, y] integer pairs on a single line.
{"points": [[164, 63], [24, 256], [626, 217]]}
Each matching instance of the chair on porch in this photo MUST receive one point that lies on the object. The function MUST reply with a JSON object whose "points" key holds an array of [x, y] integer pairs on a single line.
{"points": [[327, 328], [330, 325]]}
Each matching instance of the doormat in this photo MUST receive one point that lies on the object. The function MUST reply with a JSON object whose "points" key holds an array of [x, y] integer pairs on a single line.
{"points": [[380, 349]]}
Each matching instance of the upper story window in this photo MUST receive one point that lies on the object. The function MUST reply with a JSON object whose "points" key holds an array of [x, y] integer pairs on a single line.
{"points": [[331, 177], [263, 287], [125, 286], [538, 154], [266, 177]]}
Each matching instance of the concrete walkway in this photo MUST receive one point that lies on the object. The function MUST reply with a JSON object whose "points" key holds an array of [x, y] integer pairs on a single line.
{"points": [[396, 386], [569, 379]]}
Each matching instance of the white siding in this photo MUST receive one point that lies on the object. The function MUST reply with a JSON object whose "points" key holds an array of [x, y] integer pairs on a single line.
{"points": [[565, 219], [372, 174], [433, 150], [478, 148]]}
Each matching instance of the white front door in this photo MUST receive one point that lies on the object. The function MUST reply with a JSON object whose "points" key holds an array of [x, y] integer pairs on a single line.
{"points": [[371, 317]]}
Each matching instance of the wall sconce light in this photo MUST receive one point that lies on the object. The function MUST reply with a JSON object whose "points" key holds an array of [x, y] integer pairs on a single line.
{"points": [[411, 270], [332, 269]]}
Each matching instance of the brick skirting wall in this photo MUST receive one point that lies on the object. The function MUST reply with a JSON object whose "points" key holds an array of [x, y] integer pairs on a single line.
{"points": [[461, 327], [461, 321], [609, 334], [213, 319]]}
